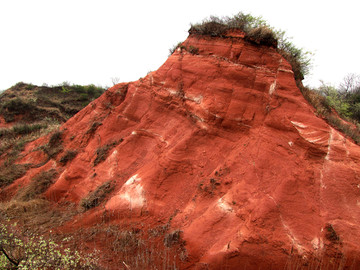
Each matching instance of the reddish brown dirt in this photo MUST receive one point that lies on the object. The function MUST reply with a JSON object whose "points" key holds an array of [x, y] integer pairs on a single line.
{"points": [[222, 146]]}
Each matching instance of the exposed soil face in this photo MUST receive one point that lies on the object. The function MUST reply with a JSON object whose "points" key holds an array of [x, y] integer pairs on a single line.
{"points": [[214, 161]]}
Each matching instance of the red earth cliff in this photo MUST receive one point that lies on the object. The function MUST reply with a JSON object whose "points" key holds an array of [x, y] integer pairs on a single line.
{"points": [[221, 146]]}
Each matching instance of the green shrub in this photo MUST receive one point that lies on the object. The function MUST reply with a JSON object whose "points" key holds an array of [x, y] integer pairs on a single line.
{"points": [[324, 100], [83, 97], [217, 27], [65, 89], [193, 50], [78, 88], [299, 59], [91, 90], [17, 106], [173, 49], [30, 86]]}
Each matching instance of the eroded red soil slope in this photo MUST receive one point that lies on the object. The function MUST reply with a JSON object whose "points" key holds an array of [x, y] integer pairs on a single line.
{"points": [[223, 146]]}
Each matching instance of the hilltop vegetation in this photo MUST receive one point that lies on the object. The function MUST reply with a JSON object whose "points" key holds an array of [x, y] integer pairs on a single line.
{"points": [[257, 31]]}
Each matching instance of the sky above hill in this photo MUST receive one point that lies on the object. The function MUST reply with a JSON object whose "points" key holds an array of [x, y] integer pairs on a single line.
{"points": [[84, 42]]}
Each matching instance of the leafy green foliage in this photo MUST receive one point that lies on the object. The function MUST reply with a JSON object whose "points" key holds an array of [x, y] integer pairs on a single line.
{"points": [[24, 250], [89, 91], [345, 99]]}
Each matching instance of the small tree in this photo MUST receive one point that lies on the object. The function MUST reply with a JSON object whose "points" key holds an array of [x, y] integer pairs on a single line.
{"points": [[335, 99], [115, 80], [350, 83]]}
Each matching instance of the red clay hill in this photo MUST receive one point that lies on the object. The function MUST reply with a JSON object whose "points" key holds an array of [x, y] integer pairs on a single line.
{"points": [[216, 157]]}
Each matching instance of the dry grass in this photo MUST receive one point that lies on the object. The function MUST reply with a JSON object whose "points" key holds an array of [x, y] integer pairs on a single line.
{"points": [[10, 172], [262, 35], [96, 197], [37, 214], [103, 151], [16, 208], [135, 248], [316, 100], [172, 238], [94, 126], [54, 146], [10, 143], [68, 156], [38, 185]]}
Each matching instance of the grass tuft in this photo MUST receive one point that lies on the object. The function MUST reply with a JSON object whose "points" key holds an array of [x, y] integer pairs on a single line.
{"points": [[68, 156], [10, 172], [103, 151], [94, 198], [38, 185]]}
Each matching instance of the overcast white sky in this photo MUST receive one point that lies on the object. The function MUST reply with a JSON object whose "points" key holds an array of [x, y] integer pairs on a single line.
{"points": [[84, 42]]}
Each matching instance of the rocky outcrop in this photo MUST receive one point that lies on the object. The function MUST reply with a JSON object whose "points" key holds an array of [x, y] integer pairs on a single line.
{"points": [[219, 144]]}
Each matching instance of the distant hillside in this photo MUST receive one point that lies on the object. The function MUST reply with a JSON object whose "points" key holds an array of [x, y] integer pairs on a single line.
{"points": [[29, 103], [28, 111]]}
